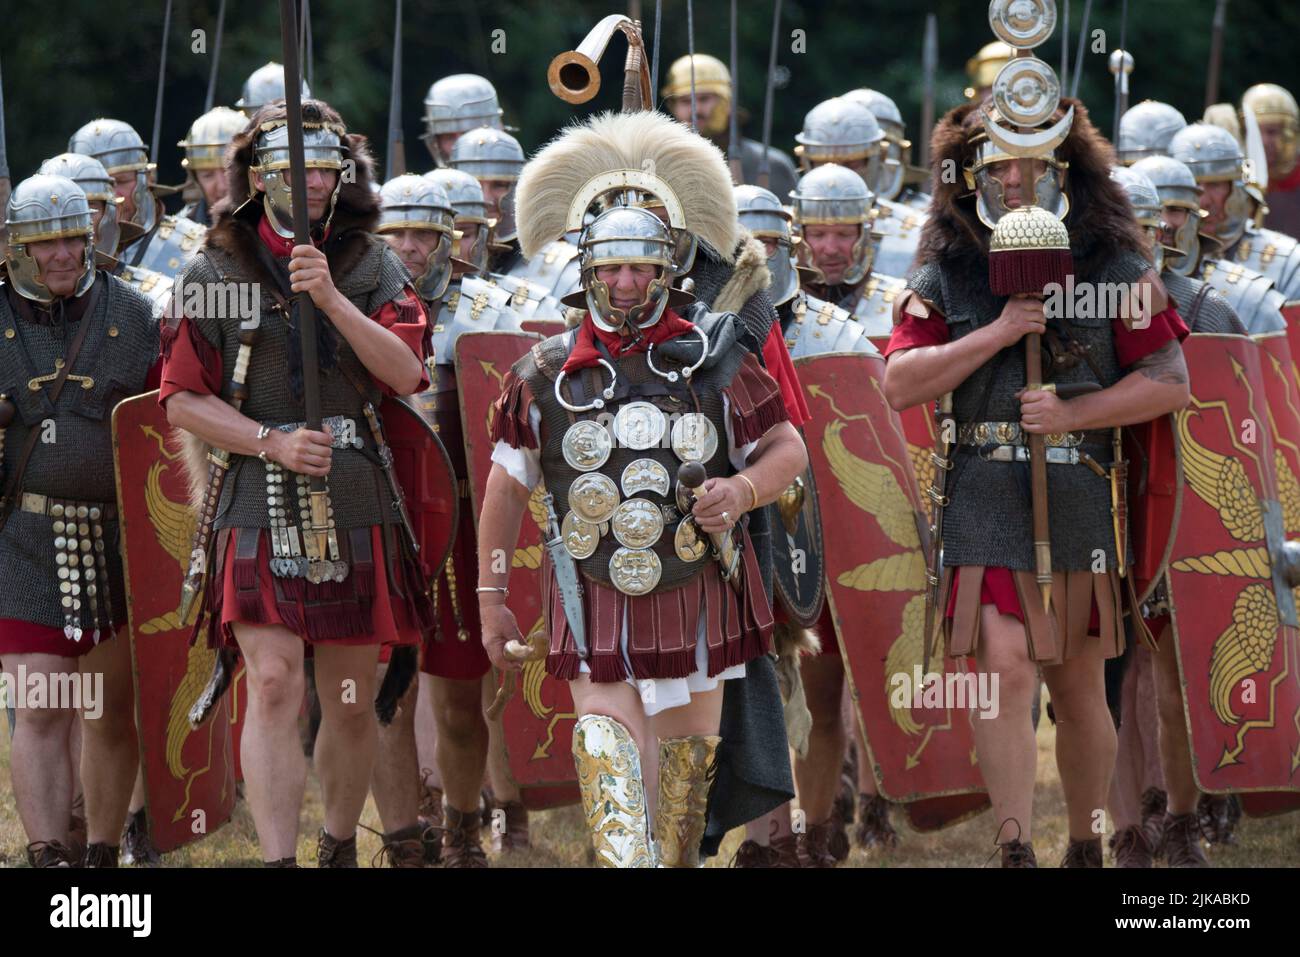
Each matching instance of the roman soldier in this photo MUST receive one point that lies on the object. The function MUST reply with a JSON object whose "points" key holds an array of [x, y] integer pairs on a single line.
{"points": [[1146, 130], [92, 340], [953, 334], [157, 241], [713, 106], [205, 151], [455, 105], [285, 573], [494, 158], [983, 68], [1186, 252], [264, 86], [1279, 127], [89, 173], [1234, 206], [845, 132], [897, 172]]}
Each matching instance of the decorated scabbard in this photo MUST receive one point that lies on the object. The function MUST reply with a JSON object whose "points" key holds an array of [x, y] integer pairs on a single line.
{"points": [[938, 496], [394, 486]]}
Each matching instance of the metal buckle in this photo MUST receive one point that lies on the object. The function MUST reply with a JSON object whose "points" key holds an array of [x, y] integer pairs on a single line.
{"points": [[35, 503]]}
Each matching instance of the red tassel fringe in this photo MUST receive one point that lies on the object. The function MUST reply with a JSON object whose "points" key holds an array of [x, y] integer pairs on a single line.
{"points": [[1021, 271], [510, 415], [754, 425]]}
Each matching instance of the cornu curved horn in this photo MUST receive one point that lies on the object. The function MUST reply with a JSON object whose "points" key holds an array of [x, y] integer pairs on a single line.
{"points": [[574, 76]]}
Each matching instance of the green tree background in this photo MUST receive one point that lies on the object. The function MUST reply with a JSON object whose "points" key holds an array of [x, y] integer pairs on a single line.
{"points": [[68, 61]]}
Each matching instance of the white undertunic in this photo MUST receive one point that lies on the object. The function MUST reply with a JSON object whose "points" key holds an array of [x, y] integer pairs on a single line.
{"points": [[657, 694]]}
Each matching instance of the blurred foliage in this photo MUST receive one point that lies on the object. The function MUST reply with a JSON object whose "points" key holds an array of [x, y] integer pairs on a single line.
{"points": [[67, 61]]}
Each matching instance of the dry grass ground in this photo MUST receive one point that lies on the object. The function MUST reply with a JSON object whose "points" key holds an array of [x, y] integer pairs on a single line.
{"points": [[559, 840]]}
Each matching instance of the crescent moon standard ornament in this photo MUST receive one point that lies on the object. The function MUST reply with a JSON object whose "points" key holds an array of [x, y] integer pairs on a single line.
{"points": [[1032, 145], [586, 446], [1026, 91], [694, 438], [640, 425], [643, 475], [1023, 24]]}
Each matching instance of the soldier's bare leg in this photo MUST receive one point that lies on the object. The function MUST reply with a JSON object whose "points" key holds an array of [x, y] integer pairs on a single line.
{"points": [[346, 743], [1085, 737], [1175, 749], [395, 781], [1007, 751], [270, 751], [109, 755], [40, 765], [462, 740], [866, 780], [817, 774], [426, 734]]}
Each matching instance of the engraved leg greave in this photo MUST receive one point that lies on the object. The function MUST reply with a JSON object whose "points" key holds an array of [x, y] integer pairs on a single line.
{"points": [[683, 797], [613, 793]]}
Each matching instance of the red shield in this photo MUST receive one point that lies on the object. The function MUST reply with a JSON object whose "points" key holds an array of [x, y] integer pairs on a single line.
{"points": [[543, 327], [189, 774], [427, 478], [538, 720], [922, 751], [1234, 617], [1155, 496]]}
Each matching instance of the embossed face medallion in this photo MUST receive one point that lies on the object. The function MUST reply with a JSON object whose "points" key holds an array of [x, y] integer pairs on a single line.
{"points": [[644, 475], [634, 571], [580, 538], [637, 523], [640, 425], [689, 541], [594, 497], [586, 446], [695, 439]]}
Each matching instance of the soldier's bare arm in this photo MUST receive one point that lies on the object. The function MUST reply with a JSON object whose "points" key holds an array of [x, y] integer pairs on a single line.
{"points": [[213, 420], [504, 503], [773, 465], [915, 376], [1156, 386]]}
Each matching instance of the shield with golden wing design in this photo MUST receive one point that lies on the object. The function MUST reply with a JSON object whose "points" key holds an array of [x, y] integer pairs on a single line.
{"points": [[921, 748], [189, 774], [538, 722], [1231, 567]]}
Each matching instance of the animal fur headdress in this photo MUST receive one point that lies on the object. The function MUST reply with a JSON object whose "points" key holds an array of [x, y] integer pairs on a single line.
{"points": [[1100, 220], [692, 167]]}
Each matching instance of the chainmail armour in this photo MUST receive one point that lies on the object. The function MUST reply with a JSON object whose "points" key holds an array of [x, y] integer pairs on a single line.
{"points": [[119, 350], [1212, 312]]}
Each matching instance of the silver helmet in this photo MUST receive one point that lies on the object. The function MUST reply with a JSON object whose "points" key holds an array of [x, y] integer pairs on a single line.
{"points": [[466, 197], [1177, 187], [1214, 156], [416, 202], [457, 104], [205, 143], [625, 234], [118, 146], [832, 195], [763, 215], [264, 85], [1146, 129], [897, 146], [1147, 208], [840, 130], [990, 202], [322, 149], [89, 173], [487, 153], [45, 207]]}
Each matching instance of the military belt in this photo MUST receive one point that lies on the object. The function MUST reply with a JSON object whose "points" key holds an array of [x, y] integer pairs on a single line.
{"points": [[1011, 433], [62, 508], [342, 428]]}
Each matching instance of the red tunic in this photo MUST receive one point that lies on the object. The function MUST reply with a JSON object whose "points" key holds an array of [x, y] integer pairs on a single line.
{"points": [[190, 364], [1131, 345]]}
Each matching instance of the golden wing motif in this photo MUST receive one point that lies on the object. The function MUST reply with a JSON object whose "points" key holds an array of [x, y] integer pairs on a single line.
{"points": [[922, 465], [1244, 649], [536, 508], [198, 668], [1288, 487], [902, 571], [872, 488], [534, 671], [1221, 482], [904, 655], [173, 522]]}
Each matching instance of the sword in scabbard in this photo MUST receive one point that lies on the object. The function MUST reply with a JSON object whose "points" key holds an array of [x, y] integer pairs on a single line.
{"points": [[938, 495], [218, 467], [1119, 500], [394, 486], [566, 577]]}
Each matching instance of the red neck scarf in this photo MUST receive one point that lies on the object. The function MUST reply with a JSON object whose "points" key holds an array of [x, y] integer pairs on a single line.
{"points": [[280, 246], [669, 326]]}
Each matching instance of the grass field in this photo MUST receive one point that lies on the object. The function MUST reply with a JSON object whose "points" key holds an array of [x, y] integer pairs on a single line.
{"points": [[559, 839]]}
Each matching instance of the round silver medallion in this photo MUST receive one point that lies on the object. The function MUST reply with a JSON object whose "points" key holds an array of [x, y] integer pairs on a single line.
{"points": [[637, 523], [586, 446], [695, 438], [642, 475], [689, 542], [1023, 24], [594, 497], [1026, 91], [640, 425], [580, 538], [634, 571]]}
